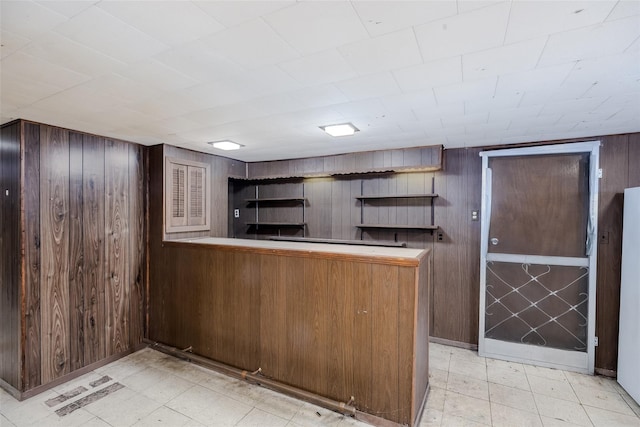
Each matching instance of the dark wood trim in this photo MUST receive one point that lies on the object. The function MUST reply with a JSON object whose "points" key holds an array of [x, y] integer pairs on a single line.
{"points": [[451, 343]]}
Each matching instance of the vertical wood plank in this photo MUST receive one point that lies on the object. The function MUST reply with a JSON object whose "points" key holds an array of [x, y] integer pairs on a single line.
{"points": [[407, 324], [363, 352], [315, 282], [137, 242], [298, 329], [116, 246], [384, 316], [11, 315], [272, 319], [341, 331], [613, 161], [54, 214], [76, 273], [93, 244], [634, 160], [32, 346]]}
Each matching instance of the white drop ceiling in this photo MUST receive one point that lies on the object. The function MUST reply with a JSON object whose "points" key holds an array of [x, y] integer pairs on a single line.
{"points": [[267, 74]]}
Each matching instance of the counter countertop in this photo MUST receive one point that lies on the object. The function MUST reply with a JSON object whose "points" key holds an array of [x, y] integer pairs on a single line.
{"points": [[369, 251]]}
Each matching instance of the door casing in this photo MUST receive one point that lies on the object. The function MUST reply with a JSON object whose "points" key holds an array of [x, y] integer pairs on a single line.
{"points": [[542, 356]]}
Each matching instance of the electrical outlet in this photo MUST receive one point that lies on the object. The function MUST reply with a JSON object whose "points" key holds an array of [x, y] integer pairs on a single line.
{"points": [[440, 237], [236, 213], [474, 215]]}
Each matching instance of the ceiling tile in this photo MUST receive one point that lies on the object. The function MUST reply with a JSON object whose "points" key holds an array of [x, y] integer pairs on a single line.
{"points": [[468, 32], [466, 91], [224, 114], [171, 22], [469, 5], [231, 13], [502, 60], [624, 9], [370, 86], [316, 26], [407, 102], [381, 17], [157, 75], [530, 19], [199, 62], [68, 8], [20, 91], [465, 119], [511, 113], [103, 32], [64, 52], [600, 40], [492, 103], [549, 78], [265, 81], [251, 45], [431, 74], [214, 94], [28, 19], [11, 43], [387, 52], [324, 67], [319, 96], [38, 70]]}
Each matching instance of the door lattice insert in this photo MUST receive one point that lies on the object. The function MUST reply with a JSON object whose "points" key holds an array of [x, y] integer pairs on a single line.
{"points": [[544, 305]]}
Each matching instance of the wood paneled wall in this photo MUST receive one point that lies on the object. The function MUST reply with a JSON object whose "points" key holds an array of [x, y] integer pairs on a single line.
{"points": [[10, 243], [333, 210], [84, 202]]}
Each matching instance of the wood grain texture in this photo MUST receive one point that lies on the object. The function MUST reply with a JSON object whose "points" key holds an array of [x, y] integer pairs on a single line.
{"points": [[614, 154], [456, 258], [291, 316], [10, 268], [385, 345], [31, 193], [93, 244], [137, 242], [76, 252], [54, 216], [634, 160], [116, 246]]}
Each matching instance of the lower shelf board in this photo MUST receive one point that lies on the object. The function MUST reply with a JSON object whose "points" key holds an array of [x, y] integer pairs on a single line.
{"points": [[277, 224], [341, 241], [399, 227]]}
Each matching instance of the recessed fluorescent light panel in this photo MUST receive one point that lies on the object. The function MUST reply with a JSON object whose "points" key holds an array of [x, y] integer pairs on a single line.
{"points": [[225, 145], [344, 129]]}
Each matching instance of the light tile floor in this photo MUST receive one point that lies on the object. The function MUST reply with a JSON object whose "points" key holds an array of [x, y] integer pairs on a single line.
{"points": [[466, 390]]}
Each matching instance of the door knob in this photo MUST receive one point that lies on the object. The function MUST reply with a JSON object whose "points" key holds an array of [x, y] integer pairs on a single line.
{"points": [[494, 241]]}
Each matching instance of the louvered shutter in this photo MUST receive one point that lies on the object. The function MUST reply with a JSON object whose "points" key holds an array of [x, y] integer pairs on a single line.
{"points": [[187, 207]]}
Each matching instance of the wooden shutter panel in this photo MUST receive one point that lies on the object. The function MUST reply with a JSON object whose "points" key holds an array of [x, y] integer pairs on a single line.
{"points": [[197, 196], [178, 181], [187, 207]]}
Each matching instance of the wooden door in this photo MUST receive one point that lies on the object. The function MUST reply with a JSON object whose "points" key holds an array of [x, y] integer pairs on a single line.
{"points": [[537, 246]]}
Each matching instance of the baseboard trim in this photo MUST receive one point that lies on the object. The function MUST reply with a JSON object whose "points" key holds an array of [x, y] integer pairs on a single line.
{"points": [[607, 372], [452, 343], [68, 377]]}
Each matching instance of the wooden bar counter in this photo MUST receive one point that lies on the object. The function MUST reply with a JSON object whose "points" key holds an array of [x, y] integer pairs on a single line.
{"points": [[349, 323]]}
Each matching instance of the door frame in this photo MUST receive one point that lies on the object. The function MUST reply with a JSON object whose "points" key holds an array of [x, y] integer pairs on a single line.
{"points": [[567, 360]]}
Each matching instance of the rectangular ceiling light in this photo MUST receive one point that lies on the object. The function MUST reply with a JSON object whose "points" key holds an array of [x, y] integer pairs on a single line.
{"points": [[225, 145], [344, 129]]}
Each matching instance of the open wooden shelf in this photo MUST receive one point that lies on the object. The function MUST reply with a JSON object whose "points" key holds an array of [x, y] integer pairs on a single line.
{"points": [[277, 199], [399, 227], [277, 224], [401, 196], [341, 241]]}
